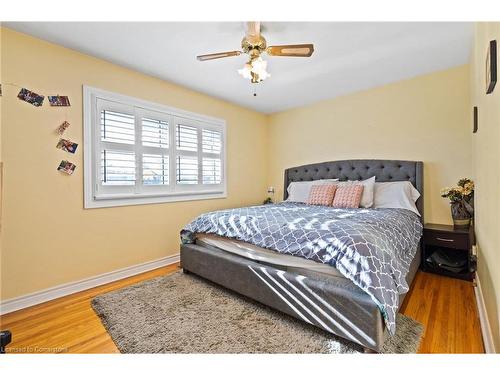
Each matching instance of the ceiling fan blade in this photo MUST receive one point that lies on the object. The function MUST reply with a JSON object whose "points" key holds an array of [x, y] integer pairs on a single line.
{"points": [[293, 50], [213, 56], [252, 31]]}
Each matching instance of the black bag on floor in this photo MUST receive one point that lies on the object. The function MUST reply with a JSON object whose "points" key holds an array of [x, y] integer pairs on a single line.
{"points": [[450, 262]]}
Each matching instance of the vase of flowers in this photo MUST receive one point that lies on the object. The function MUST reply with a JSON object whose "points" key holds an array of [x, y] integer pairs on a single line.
{"points": [[461, 201]]}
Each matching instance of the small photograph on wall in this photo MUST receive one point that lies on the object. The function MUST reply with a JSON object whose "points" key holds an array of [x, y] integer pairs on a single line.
{"points": [[62, 128], [31, 97], [66, 167], [59, 101], [67, 146]]}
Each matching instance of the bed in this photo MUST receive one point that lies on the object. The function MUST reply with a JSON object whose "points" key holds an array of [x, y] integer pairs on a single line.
{"points": [[305, 288]]}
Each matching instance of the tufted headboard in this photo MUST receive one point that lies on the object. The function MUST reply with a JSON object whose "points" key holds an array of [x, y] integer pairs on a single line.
{"points": [[383, 170]]}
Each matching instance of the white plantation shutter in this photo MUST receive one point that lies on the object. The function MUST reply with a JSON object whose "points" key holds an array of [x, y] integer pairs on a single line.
{"points": [[187, 151], [155, 169], [187, 170], [117, 127], [145, 153], [212, 172], [117, 168], [155, 159], [212, 162], [154, 133], [187, 138], [211, 141]]}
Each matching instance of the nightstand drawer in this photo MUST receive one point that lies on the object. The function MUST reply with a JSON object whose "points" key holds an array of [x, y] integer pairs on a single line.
{"points": [[451, 240]]}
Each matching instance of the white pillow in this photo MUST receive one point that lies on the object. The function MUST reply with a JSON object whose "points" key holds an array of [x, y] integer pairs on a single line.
{"points": [[368, 186], [299, 191], [398, 194]]}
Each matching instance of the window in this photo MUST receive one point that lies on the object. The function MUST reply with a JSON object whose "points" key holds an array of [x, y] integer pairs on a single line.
{"points": [[138, 152]]}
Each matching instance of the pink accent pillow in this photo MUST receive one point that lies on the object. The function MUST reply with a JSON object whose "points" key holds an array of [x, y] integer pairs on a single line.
{"points": [[348, 196], [322, 195]]}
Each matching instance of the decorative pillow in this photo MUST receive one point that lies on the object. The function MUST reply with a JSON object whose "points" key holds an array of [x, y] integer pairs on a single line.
{"points": [[321, 195], [368, 189], [299, 191], [397, 194], [348, 196]]}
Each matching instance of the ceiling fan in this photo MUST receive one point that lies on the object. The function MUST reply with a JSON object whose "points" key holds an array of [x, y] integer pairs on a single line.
{"points": [[254, 45]]}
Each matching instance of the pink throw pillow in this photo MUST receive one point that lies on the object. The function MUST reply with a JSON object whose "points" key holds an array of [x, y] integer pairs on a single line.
{"points": [[348, 196], [322, 195]]}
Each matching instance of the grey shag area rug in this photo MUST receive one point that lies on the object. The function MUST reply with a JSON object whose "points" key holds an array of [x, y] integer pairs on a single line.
{"points": [[181, 313]]}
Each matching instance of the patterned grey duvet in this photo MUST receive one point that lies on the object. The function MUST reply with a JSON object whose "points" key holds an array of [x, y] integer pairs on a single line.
{"points": [[371, 247]]}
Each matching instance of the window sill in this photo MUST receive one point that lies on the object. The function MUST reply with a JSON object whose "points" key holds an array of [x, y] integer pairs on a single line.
{"points": [[117, 200]]}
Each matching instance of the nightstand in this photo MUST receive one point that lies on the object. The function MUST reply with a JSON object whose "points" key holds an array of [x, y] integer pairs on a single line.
{"points": [[447, 251]]}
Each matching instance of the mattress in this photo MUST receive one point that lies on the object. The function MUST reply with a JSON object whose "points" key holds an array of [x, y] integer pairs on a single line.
{"points": [[285, 262]]}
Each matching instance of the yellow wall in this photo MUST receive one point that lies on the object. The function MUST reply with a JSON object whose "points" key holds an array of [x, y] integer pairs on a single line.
{"points": [[486, 153], [48, 238], [426, 118]]}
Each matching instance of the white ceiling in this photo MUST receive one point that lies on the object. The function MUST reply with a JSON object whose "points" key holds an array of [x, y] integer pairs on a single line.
{"points": [[348, 56]]}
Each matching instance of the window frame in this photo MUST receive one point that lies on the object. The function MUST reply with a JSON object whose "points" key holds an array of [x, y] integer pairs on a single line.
{"points": [[96, 195]]}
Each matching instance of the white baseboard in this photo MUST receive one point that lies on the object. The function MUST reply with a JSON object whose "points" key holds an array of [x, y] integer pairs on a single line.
{"points": [[489, 345], [36, 298]]}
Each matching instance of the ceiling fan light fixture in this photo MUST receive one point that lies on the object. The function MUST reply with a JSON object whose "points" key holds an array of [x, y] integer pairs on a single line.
{"points": [[255, 70], [246, 71], [259, 67]]}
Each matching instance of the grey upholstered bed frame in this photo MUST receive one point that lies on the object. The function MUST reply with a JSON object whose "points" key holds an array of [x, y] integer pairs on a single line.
{"points": [[331, 303]]}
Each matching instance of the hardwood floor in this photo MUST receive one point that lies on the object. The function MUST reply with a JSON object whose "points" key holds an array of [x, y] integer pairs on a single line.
{"points": [[447, 309], [445, 306], [67, 324]]}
